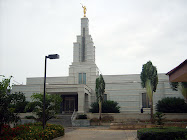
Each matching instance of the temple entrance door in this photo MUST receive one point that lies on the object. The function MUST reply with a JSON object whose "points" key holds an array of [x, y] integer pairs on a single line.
{"points": [[69, 104]]}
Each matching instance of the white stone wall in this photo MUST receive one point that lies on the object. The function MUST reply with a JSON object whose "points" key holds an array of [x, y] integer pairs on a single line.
{"points": [[49, 80], [28, 90], [127, 91]]}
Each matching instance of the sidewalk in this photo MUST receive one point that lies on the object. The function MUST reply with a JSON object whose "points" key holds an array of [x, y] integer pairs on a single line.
{"points": [[97, 133]]}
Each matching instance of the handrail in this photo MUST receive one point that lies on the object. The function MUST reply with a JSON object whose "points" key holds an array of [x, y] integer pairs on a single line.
{"points": [[74, 115]]}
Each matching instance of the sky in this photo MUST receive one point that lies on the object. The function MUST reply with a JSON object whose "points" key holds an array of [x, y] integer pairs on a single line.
{"points": [[126, 34]]}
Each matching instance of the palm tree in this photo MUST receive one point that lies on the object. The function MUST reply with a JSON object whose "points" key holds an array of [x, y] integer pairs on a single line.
{"points": [[100, 89], [149, 80], [182, 86]]}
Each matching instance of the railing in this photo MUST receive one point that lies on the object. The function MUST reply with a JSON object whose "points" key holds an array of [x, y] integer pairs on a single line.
{"points": [[74, 115]]}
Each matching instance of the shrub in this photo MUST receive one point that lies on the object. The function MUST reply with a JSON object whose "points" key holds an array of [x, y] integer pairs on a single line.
{"points": [[32, 131], [30, 106], [171, 105], [170, 133], [10, 133], [82, 116], [52, 105], [107, 107], [159, 118], [30, 117], [18, 102]]}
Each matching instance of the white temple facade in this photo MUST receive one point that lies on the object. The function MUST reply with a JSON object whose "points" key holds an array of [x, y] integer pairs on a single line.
{"points": [[78, 89]]}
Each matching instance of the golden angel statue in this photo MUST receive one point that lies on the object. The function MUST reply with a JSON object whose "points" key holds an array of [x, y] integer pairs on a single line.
{"points": [[84, 10]]}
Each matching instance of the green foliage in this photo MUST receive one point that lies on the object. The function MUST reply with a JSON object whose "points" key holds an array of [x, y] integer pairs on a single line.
{"points": [[100, 88], [159, 118], [149, 72], [5, 85], [171, 105], [32, 131], [52, 105], [7, 114], [174, 85], [10, 133], [170, 133], [30, 107], [182, 86], [107, 107], [82, 116], [30, 117], [149, 80], [18, 102]]}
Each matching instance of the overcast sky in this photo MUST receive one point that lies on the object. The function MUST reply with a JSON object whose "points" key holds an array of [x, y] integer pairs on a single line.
{"points": [[126, 33]]}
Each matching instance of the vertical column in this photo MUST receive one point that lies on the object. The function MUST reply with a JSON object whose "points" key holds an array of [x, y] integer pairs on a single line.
{"points": [[89, 100], [81, 100]]}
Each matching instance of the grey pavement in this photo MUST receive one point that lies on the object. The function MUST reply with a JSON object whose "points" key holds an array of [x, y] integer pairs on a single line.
{"points": [[98, 133]]}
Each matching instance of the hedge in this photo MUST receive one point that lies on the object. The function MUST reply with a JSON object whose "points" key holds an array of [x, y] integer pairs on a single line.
{"points": [[169, 133], [107, 107], [171, 105]]}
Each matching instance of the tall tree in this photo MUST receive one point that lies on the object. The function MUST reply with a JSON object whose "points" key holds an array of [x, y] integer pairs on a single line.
{"points": [[52, 105], [7, 115], [100, 89], [149, 80], [182, 86]]}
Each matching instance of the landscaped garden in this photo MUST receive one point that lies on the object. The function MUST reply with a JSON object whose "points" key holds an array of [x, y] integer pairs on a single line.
{"points": [[31, 131], [12, 104]]}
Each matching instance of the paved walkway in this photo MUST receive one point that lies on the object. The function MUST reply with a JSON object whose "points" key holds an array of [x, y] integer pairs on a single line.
{"points": [[98, 134]]}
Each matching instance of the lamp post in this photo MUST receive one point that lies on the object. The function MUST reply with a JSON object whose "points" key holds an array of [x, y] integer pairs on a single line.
{"points": [[51, 56]]}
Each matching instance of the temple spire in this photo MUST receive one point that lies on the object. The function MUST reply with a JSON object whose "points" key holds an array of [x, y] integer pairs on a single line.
{"points": [[84, 10]]}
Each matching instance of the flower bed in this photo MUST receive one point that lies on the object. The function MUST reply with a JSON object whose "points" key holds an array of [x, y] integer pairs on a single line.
{"points": [[32, 131]]}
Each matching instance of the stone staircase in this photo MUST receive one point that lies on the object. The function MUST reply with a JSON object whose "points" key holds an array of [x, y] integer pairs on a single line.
{"points": [[64, 120]]}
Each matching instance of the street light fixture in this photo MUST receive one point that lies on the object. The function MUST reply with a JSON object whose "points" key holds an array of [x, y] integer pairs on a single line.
{"points": [[51, 56]]}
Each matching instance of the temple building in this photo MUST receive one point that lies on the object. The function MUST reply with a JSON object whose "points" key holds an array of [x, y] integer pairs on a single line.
{"points": [[78, 89]]}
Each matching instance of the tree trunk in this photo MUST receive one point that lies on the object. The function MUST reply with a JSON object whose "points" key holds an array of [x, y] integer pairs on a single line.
{"points": [[152, 118], [100, 111]]}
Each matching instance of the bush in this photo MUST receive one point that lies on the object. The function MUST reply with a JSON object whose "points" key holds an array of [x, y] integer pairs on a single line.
{"points": [[170, 133], [18, 102], [82, 116], [30, 107], [32, 131], [30, 117], [107, 107], [10, 133], [159, 117], [171, 105]]}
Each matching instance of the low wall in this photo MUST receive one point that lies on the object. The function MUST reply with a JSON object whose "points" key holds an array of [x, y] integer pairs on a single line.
{"points": [[123, 126], [22, 115], [124, 117], [81, 123]]}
